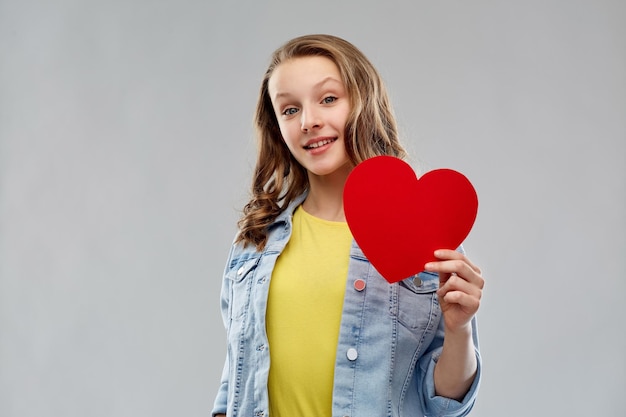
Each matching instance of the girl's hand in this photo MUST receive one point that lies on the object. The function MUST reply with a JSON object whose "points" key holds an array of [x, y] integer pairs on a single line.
{"points": [[460, 288]]}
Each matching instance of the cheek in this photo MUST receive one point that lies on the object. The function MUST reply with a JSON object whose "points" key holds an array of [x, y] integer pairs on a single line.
{"points": [[288, 132], [342, 118]]}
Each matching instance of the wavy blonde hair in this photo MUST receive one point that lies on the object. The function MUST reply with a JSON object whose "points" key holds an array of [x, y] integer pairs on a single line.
{"points": [[371, 130]]}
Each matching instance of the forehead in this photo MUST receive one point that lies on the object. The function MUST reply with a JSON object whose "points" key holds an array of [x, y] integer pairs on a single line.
{"points": [[302, 72]]}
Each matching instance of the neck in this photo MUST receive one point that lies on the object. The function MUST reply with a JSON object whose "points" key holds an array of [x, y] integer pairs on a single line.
{"points": [[325, 197]]}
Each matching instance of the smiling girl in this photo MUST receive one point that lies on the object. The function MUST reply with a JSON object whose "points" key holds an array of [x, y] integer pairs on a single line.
{"points": [[313, 329]]}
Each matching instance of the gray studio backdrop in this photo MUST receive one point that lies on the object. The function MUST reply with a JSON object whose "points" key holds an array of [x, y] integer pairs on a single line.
{"points": [[125, 154]]}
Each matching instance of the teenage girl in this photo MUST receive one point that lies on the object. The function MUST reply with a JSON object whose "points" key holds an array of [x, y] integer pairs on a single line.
{"points": [[312, 327]]}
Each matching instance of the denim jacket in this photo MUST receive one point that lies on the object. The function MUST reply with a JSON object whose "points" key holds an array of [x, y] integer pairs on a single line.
{"points": [[390, 338]]}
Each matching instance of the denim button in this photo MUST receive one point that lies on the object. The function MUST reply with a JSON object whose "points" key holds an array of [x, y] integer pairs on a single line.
{"points": [[352, 354], [359, 285], [240, 271], [417, 281]]}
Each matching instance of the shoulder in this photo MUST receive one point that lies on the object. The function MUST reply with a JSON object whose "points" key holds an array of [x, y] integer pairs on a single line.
{"points": [[278, 232]]}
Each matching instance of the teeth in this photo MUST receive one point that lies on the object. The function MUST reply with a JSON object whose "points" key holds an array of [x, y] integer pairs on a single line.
{"points": [[320, 143]]}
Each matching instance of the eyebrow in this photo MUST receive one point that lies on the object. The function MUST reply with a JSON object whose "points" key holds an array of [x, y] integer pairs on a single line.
{"points": [[318, 84]]}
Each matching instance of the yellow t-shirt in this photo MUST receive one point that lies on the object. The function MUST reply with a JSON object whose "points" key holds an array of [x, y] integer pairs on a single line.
{"points": [[303, 316]]}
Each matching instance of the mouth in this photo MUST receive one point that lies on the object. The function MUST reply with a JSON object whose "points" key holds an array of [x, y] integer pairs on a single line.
{"points": [[316, 143]]}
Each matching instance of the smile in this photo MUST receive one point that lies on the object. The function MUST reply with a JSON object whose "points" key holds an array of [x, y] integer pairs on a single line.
{"points": [[320, 143]]}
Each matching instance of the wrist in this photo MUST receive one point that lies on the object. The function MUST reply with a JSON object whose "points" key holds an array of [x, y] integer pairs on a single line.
{"points": [[461, 332]]}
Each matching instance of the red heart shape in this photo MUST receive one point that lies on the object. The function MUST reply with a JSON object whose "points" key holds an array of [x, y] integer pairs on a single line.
{"points": [[398, 221]]}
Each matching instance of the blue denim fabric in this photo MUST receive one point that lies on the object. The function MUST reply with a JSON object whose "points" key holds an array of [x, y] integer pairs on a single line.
{"points": [[390, 338]]}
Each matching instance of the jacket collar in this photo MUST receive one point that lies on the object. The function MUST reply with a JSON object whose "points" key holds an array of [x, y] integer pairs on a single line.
{"points": [[287, 214]]}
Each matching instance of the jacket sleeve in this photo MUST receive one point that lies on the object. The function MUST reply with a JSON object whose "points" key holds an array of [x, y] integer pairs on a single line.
{"points": [[434, 405], [221, 399], [220, 404]]}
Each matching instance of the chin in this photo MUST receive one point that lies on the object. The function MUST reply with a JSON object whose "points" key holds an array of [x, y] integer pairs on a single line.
{"points": [[327, 171]]}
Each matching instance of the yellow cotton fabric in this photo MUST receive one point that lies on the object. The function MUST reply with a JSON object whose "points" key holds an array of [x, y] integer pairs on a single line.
{"points": [[303, 316]]}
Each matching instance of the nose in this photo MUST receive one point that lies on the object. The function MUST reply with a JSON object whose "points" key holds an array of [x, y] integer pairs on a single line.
{"points": [[309, 119]]}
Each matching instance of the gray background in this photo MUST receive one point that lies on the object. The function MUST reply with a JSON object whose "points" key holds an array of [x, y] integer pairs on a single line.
{"points": [[125, 154]]}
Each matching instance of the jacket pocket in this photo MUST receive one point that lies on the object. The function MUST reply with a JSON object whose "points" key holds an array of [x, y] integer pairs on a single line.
{"points": [[240, 276], [417, 300]]}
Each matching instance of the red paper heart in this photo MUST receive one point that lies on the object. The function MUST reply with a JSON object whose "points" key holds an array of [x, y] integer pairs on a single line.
{"points": [[398, 221]]}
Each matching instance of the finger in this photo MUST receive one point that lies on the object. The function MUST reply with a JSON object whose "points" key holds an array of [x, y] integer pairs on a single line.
{"points": [[443, 278], [447, 254], [458, 299], [467, 302], [457, 267], [457, 283]]}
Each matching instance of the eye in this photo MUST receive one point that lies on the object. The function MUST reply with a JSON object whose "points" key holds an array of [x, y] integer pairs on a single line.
{"points": [[329, 99], [290, 111]]}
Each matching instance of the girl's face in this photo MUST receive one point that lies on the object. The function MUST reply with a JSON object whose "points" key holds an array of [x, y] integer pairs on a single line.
{"points": [[312, 108]]}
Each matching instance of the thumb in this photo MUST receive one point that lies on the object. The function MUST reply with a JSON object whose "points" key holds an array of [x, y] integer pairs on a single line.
{"points": [[443, 278]]}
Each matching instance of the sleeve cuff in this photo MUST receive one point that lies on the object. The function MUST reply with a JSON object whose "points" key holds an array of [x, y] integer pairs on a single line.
{"points": [[447, 407], [220, 406]]}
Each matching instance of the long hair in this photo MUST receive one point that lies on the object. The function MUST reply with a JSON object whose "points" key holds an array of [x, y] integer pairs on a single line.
{"points": [[370, 130]]}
